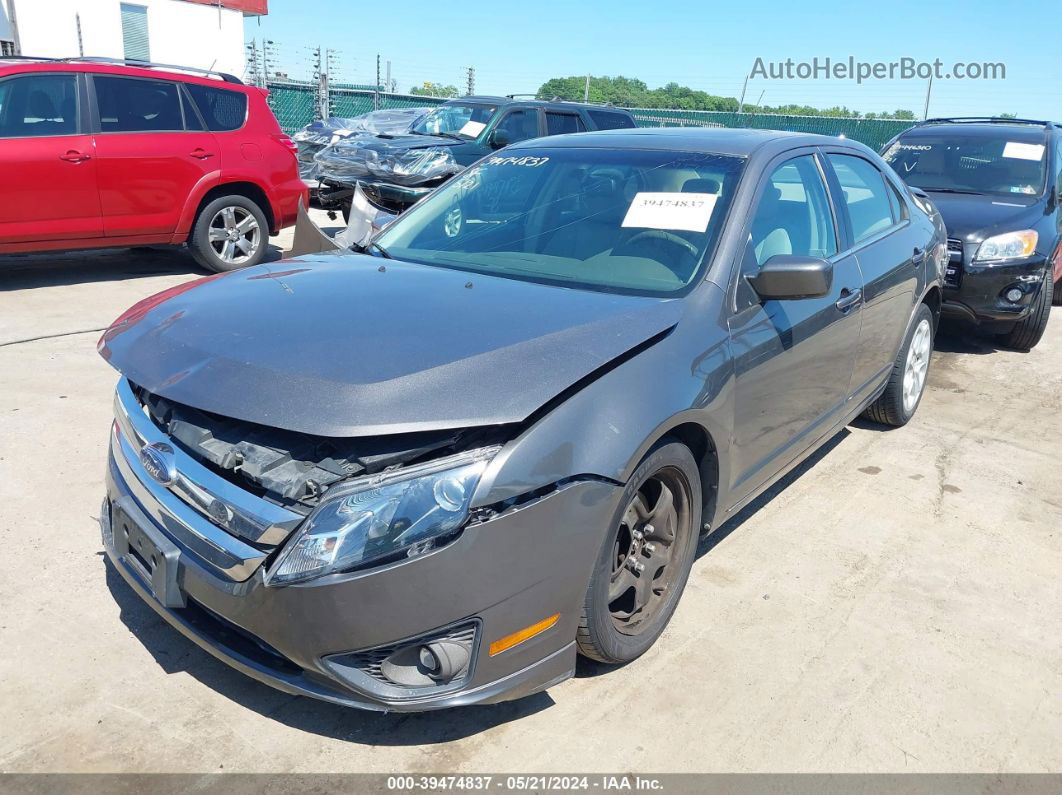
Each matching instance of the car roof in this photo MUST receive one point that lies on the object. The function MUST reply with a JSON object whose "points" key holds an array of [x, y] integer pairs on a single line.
{"points": [[559, 104], [13, 67], [738, 141], [1017, 131]]}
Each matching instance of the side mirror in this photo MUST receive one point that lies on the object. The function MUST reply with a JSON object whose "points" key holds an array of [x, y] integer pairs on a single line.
{"points": [[787, 277], [500, 138]]}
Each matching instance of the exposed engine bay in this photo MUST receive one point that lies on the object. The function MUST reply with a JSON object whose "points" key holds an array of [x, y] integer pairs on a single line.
{"points": [[297, 469]]}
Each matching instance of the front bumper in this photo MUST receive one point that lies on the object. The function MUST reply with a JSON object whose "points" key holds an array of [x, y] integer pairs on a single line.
{"points": [[503, 574], [977, 292], [334, 194]]}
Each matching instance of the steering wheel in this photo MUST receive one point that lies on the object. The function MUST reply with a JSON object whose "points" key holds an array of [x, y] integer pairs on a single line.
{"points": [[663, 236]]}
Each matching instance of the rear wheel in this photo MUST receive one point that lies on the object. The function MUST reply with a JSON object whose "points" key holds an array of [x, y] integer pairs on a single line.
{"points": [[231, 232], [1026, 333], [907, 382], [646, 558]]}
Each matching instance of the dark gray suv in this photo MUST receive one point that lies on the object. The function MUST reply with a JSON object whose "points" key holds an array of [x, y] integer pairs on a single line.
{"points": [[431, 473]]}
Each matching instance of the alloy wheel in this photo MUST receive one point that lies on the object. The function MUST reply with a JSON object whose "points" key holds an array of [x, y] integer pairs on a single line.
{"points": [[235, 235], [652, 530], [914, 376]]}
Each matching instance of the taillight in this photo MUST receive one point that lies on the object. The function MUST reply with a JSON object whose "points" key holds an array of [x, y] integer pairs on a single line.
{"points": [[287, 143]]}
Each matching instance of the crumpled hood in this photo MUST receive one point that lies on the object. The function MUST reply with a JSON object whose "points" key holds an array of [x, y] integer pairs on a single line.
{"points": [[355, 345], [400, 159], [974, 218]]}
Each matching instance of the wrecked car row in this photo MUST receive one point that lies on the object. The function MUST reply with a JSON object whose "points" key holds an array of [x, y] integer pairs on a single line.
{"points": [[432, 471]]}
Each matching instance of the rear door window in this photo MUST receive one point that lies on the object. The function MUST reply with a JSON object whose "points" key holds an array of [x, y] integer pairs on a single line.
{"points": [[611, 120], [561, 123], [222, 110], [128, 104], [871, 209], [38, 105]]}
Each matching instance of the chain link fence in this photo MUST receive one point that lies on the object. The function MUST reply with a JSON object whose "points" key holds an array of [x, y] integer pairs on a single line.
{"points": [[295, 105]]}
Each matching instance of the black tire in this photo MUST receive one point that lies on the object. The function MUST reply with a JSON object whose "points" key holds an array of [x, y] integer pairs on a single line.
{"points": [[199, 241], [890, 408], [668, 464], [1026, 333]]}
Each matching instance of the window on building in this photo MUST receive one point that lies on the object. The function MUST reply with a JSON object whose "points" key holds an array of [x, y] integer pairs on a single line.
{"points": [[222, 109], [128, 104], [7, 47], [135, 32], [38, 105]]}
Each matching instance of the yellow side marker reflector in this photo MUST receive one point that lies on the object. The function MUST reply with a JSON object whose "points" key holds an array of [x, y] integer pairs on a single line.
{"points": [[503, 644]]}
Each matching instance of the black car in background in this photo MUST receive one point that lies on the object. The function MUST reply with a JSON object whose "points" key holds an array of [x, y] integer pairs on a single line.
{"points": [[996, 182], [396, 170]]}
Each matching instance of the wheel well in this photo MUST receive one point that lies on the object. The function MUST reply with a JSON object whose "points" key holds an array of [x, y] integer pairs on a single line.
{"points": [[246, 189], [697, 439], [933, 300]]}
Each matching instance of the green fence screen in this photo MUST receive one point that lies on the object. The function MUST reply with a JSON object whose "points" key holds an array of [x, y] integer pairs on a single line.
{"points": [[294, 104]]}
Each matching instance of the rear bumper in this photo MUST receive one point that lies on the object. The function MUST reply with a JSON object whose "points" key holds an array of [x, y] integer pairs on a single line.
{"points": [[980, 296], [503, 574]]}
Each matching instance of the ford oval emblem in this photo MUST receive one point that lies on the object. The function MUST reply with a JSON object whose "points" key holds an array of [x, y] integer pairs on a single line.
{"points": [[157, 459]]}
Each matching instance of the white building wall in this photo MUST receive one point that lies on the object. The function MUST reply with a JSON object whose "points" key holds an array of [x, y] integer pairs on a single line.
{"points": [[5, 24], [185, 34]]}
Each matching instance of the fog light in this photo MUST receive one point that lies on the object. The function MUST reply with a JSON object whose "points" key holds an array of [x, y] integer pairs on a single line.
{"points": [[1013, 295]]}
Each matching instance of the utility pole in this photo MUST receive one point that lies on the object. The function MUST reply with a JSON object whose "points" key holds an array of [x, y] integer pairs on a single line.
{"points": [[390, 89], [80, 42], [267, 51], [741, 103], [471, 81], [586, 89], [376, 91], [14, 26], [929, 90]]}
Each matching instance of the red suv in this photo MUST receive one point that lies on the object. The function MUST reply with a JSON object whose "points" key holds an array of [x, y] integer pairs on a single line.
{"points": [[96, 153]]}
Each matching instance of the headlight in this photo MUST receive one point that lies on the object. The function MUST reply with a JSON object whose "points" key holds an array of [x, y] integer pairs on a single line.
{"points": [[1011, 245], [382, 515]]}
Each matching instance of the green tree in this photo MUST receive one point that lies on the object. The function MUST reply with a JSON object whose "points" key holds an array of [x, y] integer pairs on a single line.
{"points": [[633, 93], [429, 89]]}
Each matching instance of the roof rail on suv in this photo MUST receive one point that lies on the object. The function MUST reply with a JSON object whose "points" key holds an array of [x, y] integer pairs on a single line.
{"points": [[987, 120], [127, 62]]}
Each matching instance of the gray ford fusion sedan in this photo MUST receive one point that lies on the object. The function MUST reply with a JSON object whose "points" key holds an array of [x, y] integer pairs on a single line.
{"points": [[430, 473]]}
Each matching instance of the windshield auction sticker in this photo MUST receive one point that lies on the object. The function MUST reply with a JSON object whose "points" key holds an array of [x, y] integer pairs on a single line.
{"points": [[472, 128], [689, 212], [1022, 151]]}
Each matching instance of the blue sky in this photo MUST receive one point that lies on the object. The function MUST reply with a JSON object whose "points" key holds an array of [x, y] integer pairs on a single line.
{"points": [[709, 46]]}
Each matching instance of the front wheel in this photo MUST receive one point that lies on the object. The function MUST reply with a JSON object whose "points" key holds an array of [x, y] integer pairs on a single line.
{"points": [[1027, 332], [907, 381], [231, 232], [646, 558]]}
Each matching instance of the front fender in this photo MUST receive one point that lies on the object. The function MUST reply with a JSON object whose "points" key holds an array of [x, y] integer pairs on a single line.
{"points": [[605, 428]]}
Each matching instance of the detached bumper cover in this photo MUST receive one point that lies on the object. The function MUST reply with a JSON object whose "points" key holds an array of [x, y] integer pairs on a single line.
{"points": [[505, 573]]}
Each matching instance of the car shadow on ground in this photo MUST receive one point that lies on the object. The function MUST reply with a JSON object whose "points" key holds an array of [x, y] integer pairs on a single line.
{"points": [[585, 668], [176, 654], [27, 271]]}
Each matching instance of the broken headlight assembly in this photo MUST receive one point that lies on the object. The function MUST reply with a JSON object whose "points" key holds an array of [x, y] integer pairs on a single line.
{"points": [[383, 517]]}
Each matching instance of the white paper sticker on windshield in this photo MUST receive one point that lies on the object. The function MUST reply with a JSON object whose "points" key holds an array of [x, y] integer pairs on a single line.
{"points": [[472, 128], [690, 212], [1022, 151]]}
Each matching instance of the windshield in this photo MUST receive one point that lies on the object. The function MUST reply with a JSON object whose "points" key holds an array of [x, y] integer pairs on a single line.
{"points": [[464, 120], [969, 163], [624, 220]]}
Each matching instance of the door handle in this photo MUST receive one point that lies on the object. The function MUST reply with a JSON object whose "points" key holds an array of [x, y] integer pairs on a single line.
{"points": [[919, 254], [848, 299], [201, 154], [74, 156]]}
